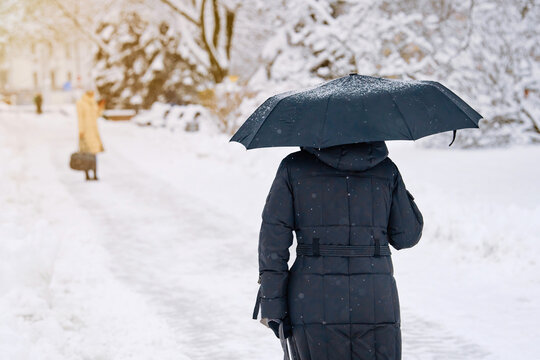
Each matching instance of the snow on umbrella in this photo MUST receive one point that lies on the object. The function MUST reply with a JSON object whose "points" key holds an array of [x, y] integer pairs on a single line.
{"points": [[356, 108]]}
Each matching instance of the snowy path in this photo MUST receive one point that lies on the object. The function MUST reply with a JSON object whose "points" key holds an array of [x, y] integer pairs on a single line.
{"points": [[177, 251], [180, 223]]}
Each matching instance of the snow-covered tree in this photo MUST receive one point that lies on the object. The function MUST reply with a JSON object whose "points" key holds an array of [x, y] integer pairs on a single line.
{"points": [[164, 51], [485, 50], [51, 20], [211, 25], [11, 12], [144, 63]]}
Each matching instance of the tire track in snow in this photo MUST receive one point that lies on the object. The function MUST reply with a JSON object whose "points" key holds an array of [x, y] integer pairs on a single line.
{"points": [[427, 340]]}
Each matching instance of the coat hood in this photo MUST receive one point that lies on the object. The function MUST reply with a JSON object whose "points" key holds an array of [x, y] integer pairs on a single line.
{"points": [[351, 157]]}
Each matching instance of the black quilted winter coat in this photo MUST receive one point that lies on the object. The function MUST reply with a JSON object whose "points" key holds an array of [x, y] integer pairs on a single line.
{"points": [[345, 204]]}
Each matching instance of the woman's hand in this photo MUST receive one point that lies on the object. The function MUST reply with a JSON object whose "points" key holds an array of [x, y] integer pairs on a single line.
{"points": [[287, 328]]}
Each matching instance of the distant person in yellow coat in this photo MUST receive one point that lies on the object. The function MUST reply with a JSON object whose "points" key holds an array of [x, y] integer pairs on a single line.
{"points": [[88, 111]]}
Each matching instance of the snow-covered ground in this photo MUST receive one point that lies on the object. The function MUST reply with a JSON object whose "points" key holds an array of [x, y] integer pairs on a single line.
{"points": [[158, 260]]}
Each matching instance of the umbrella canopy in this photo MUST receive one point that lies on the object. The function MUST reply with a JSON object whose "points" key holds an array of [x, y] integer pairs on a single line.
{"points": [[356, 108]]}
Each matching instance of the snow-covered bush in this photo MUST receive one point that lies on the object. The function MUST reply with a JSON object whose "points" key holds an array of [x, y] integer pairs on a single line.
{"points": [[178, 118], [485, 50], [230, 103]]}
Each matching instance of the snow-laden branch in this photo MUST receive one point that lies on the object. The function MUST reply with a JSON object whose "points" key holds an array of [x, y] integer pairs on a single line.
{"points": [[218, 64], [190, 17], [214, 62], [90, 35]]}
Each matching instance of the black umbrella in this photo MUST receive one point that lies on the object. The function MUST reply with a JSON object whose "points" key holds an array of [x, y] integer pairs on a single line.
{"points": [[356, 108]]}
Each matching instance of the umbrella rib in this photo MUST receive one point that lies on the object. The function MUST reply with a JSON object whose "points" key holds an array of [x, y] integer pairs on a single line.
{"points": [[262, 122], [324, 120], [288, 94], [453, 101], [401, 115]]}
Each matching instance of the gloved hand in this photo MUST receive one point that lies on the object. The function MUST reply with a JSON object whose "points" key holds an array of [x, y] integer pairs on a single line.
{"points": [[287, 327]]}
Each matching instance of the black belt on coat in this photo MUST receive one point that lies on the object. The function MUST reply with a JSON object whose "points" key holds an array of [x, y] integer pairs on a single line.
{"points": [[316, 249]]}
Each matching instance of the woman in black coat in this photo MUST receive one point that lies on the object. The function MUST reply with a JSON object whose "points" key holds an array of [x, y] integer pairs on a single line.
{"points": [[345, 204]]}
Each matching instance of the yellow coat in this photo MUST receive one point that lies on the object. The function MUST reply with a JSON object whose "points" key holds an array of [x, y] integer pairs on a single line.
{"points": [[88, 112]]}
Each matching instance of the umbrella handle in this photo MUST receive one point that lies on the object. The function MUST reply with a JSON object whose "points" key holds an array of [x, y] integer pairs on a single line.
{"points": [[283, 341], [453, 137]]}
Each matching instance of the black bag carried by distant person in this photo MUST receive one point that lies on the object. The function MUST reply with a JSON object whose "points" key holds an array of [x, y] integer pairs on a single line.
{"points": [[82, 161]]}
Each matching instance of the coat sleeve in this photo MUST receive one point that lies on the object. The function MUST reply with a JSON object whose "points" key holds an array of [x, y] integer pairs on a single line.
{"points": [[275, 238], [406, 222]]}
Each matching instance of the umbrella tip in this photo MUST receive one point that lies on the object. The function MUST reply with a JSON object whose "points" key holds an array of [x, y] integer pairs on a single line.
{"points": [[351, 74]]}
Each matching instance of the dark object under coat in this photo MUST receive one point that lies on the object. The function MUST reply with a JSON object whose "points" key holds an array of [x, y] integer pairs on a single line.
{"points": [[341, 306], [353, 109], [82, 161]]}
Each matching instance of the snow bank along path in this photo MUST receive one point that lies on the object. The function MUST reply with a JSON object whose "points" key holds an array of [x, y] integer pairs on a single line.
{"points": [[175, 219], [58, 296]]}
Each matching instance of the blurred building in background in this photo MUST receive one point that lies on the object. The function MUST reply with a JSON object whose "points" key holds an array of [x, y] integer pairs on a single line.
{"points": [[56, 69]]}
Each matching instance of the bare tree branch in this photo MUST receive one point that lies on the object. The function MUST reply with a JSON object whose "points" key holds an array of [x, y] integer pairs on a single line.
{"points": [[470, 28], [533, 121], [229, 28], [83, 30], [181, 12], [215, 67], [217, 23]]}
